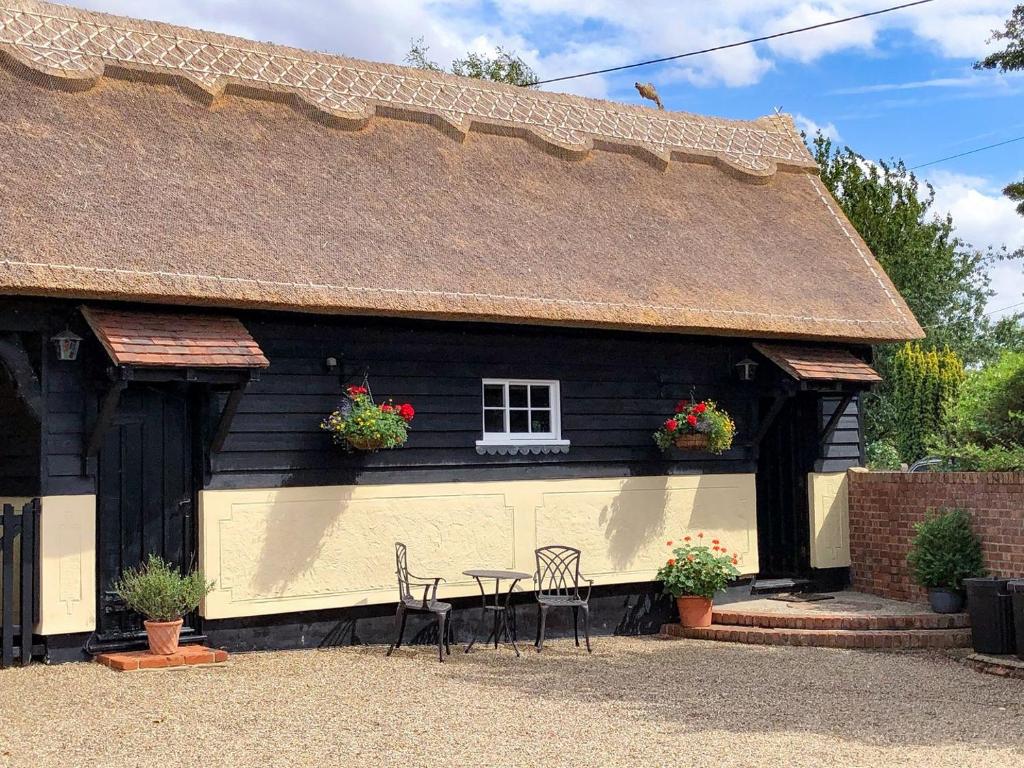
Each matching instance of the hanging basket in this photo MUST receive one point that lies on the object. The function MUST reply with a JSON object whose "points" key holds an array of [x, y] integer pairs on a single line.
{"points": [[365, 443], [692, 442]]}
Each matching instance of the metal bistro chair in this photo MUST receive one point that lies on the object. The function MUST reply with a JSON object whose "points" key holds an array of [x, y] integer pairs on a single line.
{"points": [[557, 581], [428, 603]]}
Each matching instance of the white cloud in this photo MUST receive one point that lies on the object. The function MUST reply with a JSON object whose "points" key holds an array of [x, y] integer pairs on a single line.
{"points": [[812, 128], [984, 217]]}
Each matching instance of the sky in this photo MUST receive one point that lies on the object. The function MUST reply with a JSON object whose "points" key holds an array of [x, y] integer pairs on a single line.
{"points": [[900, 85]]}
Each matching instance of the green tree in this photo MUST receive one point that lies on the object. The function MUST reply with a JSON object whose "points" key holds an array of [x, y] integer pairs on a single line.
{"points": [[1010, 59], [503, 67], [943, 280], [923, 385]]}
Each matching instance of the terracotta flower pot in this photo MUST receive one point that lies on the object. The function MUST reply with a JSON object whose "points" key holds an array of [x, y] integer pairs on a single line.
{"points": [[694, 441], [163, 636], [694, 611]]}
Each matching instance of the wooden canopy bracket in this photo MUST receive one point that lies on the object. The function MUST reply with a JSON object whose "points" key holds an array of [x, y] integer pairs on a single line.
{"points": [[228, 414], [833, 421], [769, 419], [26, 383], [105, 416]]}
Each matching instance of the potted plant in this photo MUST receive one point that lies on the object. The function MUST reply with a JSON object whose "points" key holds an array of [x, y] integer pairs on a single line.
{"points": [[360, 424], [694, 574], [699, 426], [163, 595], [945, 551]]}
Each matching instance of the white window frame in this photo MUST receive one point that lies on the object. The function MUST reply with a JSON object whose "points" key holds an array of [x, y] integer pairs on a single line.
{"points": [[552, 438]]}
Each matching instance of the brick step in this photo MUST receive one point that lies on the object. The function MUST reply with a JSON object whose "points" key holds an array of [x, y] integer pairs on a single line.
{"points": [[840, 621], [898, 639]]}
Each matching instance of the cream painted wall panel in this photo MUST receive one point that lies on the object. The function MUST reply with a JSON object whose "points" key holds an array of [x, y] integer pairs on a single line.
{"points": [[67, 564], [622, 525], [295, 549], [829, 519]]}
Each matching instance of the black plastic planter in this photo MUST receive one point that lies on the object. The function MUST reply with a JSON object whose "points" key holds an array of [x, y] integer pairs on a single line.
{"points": [[991, 616], [1016, 588]]}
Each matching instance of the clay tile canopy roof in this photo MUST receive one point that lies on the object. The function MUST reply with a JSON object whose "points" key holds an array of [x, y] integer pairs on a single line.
{"points": [[149, 339], [212, 170], [805, 363]]}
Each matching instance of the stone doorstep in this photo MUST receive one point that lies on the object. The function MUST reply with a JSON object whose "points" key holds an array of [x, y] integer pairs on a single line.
{"points": [[187, 655], [901, 639]]}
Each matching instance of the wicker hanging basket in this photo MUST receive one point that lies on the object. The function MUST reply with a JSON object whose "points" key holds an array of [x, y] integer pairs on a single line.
{"points": [[365, 443], [694, 441]]}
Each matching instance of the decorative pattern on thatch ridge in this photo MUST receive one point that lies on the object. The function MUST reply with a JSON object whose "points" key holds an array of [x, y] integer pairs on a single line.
{"points": [[77, 47]]}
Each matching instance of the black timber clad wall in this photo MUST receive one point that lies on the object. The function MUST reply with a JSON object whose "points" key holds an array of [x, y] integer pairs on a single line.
{"points": [[845, 448], [19, 443], [615, 387]]}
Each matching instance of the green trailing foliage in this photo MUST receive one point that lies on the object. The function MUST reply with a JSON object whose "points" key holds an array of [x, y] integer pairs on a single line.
{"points": [[697, 569], [945, 550], [883, 457], [360, 424], [160, 592]]}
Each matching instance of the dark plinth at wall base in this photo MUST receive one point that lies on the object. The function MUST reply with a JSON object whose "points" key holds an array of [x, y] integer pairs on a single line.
{"points": [[61, 649], [634, 609]]}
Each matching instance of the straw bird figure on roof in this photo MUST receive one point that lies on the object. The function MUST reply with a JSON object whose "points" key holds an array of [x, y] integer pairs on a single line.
{"points": [[649, 92]]}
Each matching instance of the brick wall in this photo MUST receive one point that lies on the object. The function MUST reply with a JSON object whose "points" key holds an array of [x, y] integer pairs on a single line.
{"points": [[885, 505]]}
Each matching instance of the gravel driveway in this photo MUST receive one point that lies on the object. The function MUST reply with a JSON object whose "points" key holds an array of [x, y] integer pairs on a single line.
{"points": [[634, 702]]}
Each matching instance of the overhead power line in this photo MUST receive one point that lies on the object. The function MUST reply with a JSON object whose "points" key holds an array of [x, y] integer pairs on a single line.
{"points": [[968, 152], [731, 45]]}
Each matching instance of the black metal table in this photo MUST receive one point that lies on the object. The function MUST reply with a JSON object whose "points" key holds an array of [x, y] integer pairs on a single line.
{"points": [[498, 608]]}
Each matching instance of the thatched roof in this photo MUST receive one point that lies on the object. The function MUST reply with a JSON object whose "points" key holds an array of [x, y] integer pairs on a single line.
{"points": [[149, 162]]}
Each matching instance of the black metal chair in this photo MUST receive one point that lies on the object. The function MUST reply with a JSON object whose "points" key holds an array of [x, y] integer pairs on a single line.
{"points": [[428, 603], [557, 582]]}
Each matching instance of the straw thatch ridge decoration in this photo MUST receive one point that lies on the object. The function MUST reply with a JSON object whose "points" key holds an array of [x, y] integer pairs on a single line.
{"points": [[73, 49]]}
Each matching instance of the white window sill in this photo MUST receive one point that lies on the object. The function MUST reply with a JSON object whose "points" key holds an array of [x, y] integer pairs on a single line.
{"points": [[520, 447]]}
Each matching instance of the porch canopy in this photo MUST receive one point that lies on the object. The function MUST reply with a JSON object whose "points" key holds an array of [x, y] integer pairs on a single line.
{"points": [[148, 339], [819, 364]]}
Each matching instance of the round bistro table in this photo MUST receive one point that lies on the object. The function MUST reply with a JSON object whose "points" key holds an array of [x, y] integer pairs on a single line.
{"points": [[498, 608]]}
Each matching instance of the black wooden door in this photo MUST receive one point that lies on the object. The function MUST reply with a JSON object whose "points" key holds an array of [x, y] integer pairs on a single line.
{"points": [[783, 516], [145, 496]]}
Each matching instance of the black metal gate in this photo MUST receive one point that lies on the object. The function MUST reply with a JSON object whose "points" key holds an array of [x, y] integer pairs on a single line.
{"points": [[19, 582]]}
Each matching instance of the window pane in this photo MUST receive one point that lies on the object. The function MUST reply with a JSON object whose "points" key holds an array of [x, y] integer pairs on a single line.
{"points": [[518, 421], [517, 395], [540, 396], [494, 395], [494, 420], [540, 421]]}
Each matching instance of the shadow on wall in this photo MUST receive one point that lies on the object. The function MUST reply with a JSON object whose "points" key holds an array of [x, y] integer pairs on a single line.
{"points": [[635, 517], [291, 546]]}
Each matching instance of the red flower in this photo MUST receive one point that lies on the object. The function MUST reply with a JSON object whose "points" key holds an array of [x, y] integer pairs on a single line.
{"points": [[715, 549], [682, 405], [385, 408], [671, 561], [700, 535], [735, 561], [406, 411], [668, 543], [686, 538], [715, 541], [671, 425], [353, 391], [691, 420], [700, 408]]}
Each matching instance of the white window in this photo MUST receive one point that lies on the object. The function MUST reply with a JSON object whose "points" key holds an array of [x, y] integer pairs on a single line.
{"points": [[521, 413]]}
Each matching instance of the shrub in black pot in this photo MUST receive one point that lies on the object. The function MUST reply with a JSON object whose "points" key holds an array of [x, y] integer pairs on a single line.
{"points": [[945, 551]]}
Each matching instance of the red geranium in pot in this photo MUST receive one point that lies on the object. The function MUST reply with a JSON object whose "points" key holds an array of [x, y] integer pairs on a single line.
{"points": [[694, 573]]}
